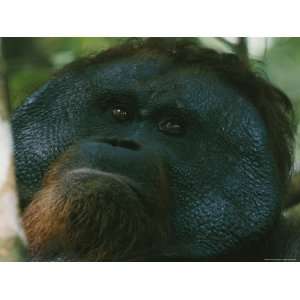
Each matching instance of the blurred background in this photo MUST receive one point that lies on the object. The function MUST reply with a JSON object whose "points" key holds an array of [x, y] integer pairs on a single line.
{"points": [[31, 61]]}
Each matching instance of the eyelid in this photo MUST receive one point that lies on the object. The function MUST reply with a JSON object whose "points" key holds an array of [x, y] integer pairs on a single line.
{"points": [[109, 98], [122, 103], [169, 112]]}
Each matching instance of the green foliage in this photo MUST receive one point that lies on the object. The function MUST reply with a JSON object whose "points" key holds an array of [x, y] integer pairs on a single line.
{"points": [[31, 61], [283, 67]]}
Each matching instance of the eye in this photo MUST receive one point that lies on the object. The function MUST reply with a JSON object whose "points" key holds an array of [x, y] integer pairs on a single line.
{"points": [[172, 127], [121, 114]]}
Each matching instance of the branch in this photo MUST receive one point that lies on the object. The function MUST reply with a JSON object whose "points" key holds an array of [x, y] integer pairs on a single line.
{"points": [[240, 48], [227, 43]]}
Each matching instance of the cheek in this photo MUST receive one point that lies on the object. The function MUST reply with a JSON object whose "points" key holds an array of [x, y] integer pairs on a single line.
{"points": [[217, 203]]}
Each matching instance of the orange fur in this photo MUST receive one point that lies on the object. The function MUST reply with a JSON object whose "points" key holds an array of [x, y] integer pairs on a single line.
{"points": [[93, 218]]}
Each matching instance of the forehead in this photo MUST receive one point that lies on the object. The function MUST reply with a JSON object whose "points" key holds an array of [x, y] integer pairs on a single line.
{"points": [[158, 79]]}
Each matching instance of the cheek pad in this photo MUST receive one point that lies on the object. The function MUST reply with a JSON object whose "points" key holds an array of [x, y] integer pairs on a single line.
{"points": [[219, 203]]}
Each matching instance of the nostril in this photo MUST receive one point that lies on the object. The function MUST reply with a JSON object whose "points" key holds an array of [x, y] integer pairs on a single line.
{"points": [[129, 144], [123, 143]]}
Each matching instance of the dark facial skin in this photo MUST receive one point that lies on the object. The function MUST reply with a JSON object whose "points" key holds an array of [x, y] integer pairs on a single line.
{"points": [[179, 137]]}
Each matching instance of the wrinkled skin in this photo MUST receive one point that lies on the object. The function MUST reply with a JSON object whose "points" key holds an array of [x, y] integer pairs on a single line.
{"points": [[212, 188]]}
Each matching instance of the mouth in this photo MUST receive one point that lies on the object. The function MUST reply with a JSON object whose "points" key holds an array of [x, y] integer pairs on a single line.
{"points": [[88, 173], [95, 216]]}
